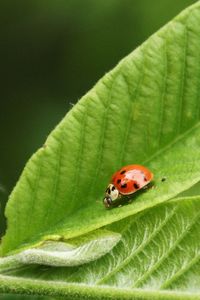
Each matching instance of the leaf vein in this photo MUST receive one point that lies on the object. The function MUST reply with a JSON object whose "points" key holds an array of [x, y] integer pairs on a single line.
{"points": [[142, 279], [139, 249], [181, 272]]}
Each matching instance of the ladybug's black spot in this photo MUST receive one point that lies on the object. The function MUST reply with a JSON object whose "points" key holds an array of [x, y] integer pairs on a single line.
{"points": [[145, 179], [113, 188], [118, 181], [123, 186], [136, 186], [122, 172]]}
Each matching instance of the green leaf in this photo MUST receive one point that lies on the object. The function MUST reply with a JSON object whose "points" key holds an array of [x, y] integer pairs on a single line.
{"points": [[60, 253], [158, 257], [145, 111], [24, 297]]}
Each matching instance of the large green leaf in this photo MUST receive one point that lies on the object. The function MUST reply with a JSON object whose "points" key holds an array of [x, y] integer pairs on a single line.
{"points": [[158, 257], [144, 111]]}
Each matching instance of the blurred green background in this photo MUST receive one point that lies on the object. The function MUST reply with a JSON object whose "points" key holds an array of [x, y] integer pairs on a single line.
{"points": [[52, 53]]}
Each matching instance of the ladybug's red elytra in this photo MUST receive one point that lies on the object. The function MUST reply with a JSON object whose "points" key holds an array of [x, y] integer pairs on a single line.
{"points": [[126, 182]]}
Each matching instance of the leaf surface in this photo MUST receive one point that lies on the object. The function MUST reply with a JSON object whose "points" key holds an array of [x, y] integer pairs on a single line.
{"points": [[61, 253], [145, 111], [158, 257]]}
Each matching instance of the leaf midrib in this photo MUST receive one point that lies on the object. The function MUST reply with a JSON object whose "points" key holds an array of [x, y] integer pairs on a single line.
{"points": [[11, 284]]}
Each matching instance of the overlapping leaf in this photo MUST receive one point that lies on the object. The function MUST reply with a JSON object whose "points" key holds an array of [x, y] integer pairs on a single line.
{"points": [[159, 250], [73, 252]]}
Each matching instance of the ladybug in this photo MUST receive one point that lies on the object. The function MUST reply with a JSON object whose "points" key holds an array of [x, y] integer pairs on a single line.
{"points": [[125, 183]]}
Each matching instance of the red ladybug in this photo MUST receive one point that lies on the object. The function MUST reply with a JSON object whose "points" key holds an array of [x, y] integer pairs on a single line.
{"points": [[126, 182]]}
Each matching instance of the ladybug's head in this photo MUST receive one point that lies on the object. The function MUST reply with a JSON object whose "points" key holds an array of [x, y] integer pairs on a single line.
{"points": [[112, 194]]}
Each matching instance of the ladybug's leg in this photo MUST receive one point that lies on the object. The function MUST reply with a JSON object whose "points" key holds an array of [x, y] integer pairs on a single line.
{"points": [[146, 187], [129, 199], [149, 186]]}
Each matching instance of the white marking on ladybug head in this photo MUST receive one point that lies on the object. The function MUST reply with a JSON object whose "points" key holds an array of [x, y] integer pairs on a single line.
{"points": [[112, 192]]}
